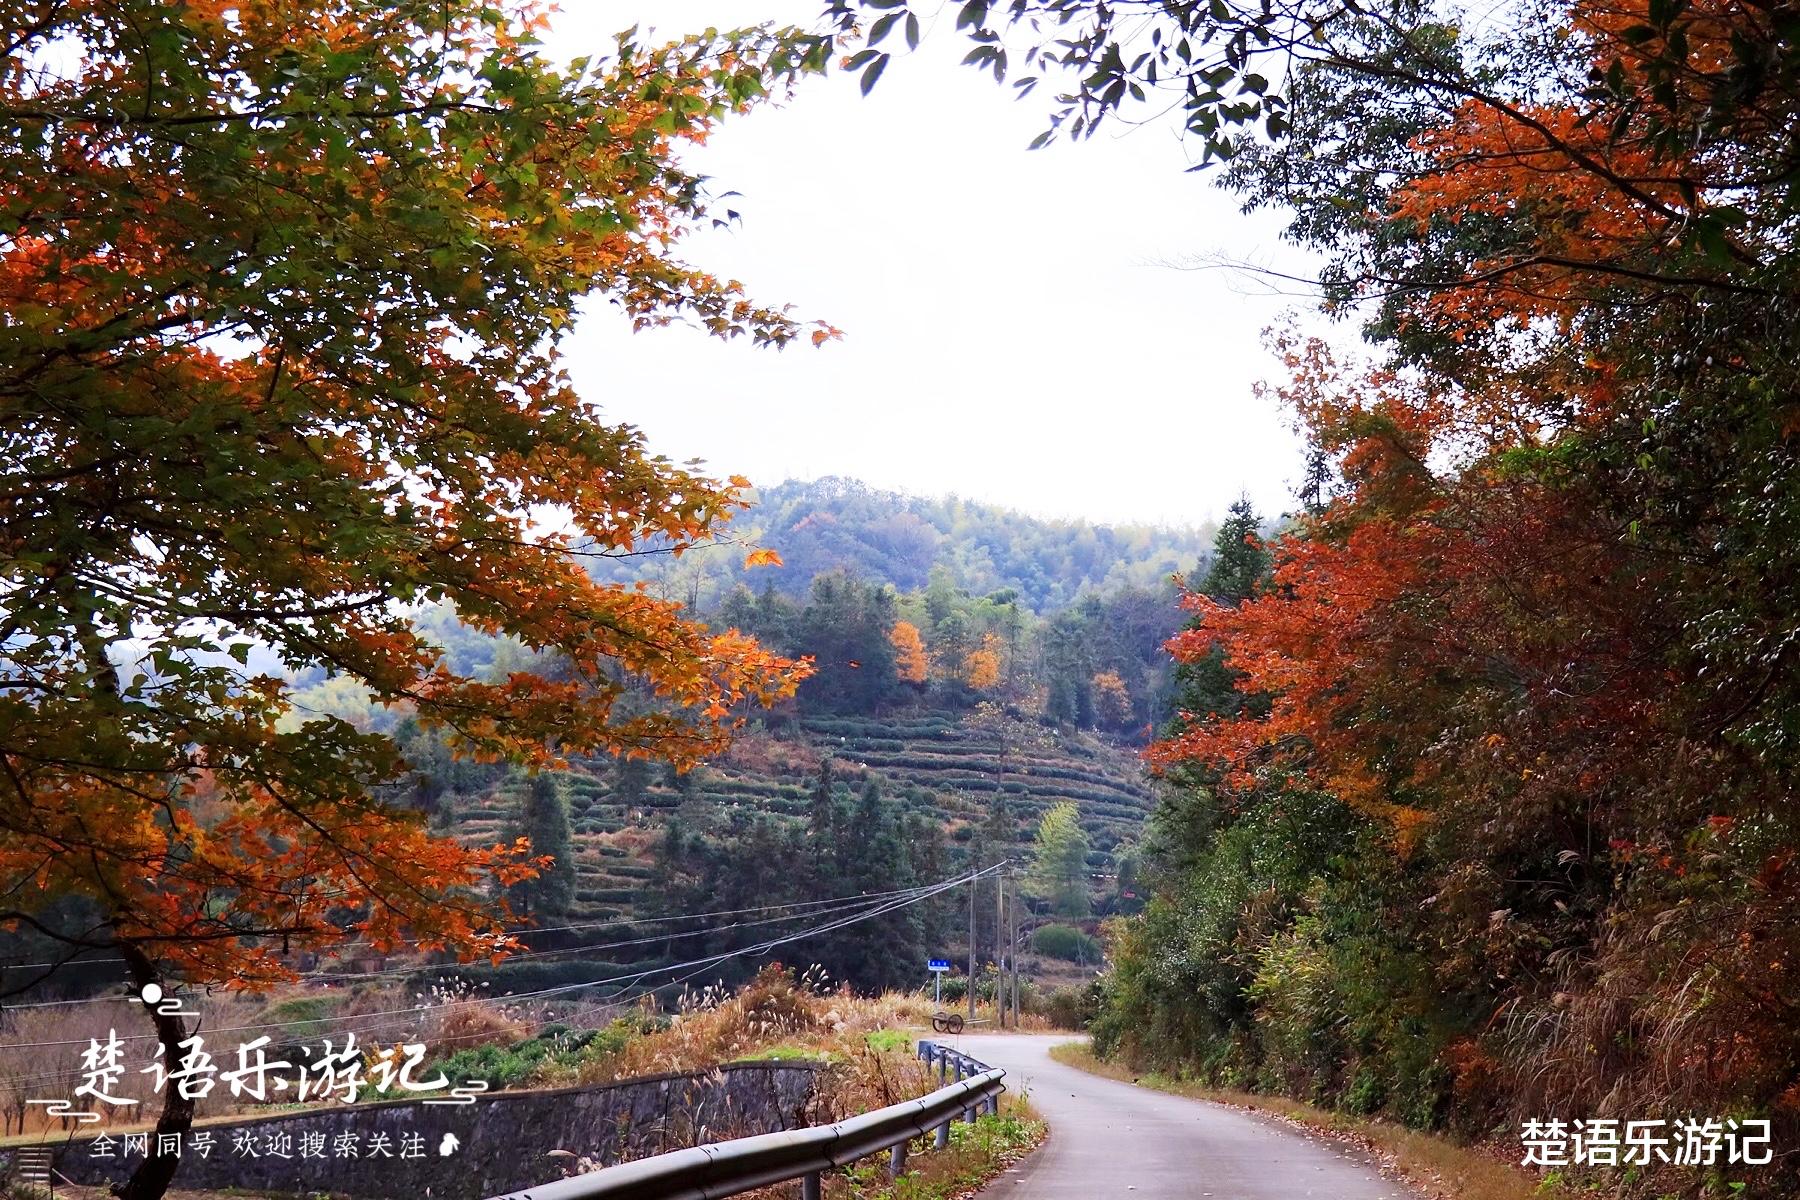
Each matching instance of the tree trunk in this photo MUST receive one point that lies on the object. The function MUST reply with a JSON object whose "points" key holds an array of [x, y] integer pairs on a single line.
{"points": [[153, 1176]]}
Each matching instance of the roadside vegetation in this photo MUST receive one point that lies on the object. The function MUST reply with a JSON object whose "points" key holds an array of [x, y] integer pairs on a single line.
{"points": [[977, 1154]]}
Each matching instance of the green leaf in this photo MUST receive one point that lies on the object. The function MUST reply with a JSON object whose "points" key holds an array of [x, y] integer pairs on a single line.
{"points": [[873, 73]]}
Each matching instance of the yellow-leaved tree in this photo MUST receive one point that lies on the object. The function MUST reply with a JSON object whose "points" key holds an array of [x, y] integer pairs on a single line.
{"points": [[981, 669], [910, 660]]}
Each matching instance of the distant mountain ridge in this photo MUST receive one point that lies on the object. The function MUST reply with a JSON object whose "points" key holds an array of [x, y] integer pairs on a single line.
{"points": [[834, 523]]}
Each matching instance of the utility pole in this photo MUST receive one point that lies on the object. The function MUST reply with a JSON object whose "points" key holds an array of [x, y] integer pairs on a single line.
{"points": [[1003, 957], [974, 887], [1012, 951]]}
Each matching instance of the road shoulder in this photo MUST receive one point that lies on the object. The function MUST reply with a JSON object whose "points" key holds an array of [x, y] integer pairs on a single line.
{"points": [[1434, 1166]]}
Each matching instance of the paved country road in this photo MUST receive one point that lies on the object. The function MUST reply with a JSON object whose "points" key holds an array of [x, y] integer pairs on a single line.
{"points": [[1113, 1140]]}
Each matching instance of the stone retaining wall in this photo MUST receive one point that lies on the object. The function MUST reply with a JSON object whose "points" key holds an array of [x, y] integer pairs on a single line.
{"points": [[503, 1141]]}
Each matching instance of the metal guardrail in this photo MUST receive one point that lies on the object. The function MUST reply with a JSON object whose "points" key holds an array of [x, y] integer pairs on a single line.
{"points": [[949, 1061], [727, 1168]]}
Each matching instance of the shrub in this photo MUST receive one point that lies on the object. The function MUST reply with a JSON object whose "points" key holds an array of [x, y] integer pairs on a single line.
{"points": [[1071, 1007], [1065, 942], [1366, 1093], [523, 1062], [300, 1008], [889, 1040]]}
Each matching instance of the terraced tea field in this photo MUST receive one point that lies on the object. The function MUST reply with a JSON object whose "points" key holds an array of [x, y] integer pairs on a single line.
{"points": [[969, 767], [962, 770]]}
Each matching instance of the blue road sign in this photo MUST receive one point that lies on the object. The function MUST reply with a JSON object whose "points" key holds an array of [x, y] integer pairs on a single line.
{"points": [[940, 964]]}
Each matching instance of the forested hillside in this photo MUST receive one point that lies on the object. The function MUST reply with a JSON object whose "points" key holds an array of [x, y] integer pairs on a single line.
{"points": [[836, 524], [947, 640], [938, 729], [816, 811]]}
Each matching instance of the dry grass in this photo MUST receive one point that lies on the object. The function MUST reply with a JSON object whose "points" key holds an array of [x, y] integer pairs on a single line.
{"points": [[1437, 1166], [761, 753], [776, 1012], [453, 1021], [1031, 1022], [636, 840], [780, 1015]]}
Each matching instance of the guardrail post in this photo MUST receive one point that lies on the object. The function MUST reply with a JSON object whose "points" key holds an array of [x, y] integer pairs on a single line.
{"points": [[809, 1187], [897, 1161], [942, 1136], [993, 1106]]}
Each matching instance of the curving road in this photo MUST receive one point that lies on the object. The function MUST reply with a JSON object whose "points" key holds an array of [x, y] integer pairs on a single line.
{"points": [[1110, 1139]]}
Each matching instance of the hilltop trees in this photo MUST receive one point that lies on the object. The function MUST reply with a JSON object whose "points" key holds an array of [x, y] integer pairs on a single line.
{"points": [[981, 669], [1240, 562], [1096, 665], [1112, 700], [833, 524], [847, 627], [1205, 687], [284, 288]]}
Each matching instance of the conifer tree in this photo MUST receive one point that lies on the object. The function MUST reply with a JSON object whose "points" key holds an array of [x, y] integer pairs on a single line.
{"points": [[543, 818]]}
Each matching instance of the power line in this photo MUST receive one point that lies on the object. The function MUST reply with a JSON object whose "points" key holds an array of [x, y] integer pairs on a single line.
{"points": [[699, 965], [629, 921], [319, 976], [633, 921], [919, 894], [67, 962], [911, 896], [818, 907], [914, 896]]}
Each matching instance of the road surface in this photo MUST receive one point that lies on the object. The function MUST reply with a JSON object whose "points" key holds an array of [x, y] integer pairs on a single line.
{"points": [[1111, 1139]]}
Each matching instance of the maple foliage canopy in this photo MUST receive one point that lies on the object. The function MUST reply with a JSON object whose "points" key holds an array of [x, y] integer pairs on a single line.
{"points": [[283, 288]]}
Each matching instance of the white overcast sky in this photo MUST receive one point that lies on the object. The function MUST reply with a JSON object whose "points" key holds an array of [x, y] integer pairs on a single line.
{"points": [[1014, 329]]}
